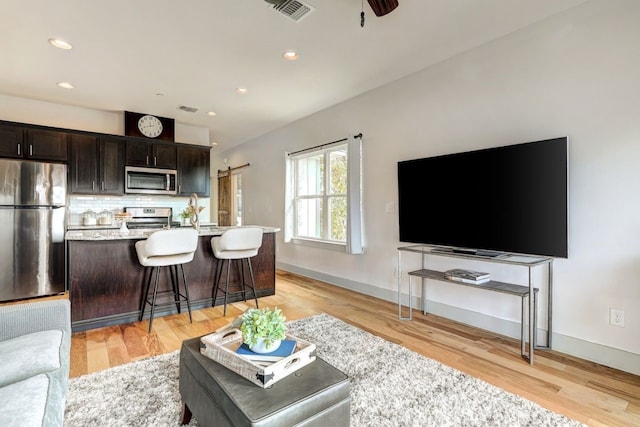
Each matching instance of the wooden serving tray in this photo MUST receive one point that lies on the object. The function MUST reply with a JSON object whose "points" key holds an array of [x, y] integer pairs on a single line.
{"points": [[222, 346]]}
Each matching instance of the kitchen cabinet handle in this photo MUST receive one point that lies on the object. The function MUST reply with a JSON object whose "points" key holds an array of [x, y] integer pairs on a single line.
{"points": [[93, 186], [102, 185], [155, 161], [147, 161], [19, 150], [30, 150]]}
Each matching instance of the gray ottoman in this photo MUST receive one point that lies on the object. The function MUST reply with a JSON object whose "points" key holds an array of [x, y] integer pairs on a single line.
{"points": [[315, 395]]}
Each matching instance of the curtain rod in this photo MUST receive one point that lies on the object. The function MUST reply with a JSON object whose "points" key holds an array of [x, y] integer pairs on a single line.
{"points": [[324, 145], [229, 169]]}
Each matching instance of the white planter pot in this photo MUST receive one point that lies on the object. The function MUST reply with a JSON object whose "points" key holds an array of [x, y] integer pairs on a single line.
{"points": [[260, 347]]}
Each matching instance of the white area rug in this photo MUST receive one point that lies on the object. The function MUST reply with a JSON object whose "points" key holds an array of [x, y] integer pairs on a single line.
{"points": [[390, 386]]}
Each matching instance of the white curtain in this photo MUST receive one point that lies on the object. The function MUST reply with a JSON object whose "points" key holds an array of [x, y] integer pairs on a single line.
{"points": [[288, 199], [354, 196]]}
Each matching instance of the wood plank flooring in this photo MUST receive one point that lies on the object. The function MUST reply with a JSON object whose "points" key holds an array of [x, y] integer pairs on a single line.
{"points": [[583, 390]]}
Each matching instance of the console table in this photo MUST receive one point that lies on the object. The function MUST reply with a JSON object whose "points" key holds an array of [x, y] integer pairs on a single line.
{"points": [[525, 293]]}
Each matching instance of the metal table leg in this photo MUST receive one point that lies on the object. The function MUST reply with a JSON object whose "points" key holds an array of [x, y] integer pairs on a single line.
{"points": [[400, 317]]}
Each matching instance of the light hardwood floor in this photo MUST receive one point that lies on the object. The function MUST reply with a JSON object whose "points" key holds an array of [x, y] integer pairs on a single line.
{"points": [[585, 391]]}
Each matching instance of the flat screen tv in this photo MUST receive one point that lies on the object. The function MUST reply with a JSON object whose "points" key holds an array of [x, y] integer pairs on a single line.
{"points": [[509, 199]]}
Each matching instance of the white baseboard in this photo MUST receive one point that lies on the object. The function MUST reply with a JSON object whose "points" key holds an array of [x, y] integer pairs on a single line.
{"points": [[594, 352]]}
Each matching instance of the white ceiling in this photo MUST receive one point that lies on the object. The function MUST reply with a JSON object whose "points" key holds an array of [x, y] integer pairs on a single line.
{"points": [[196, 52]]}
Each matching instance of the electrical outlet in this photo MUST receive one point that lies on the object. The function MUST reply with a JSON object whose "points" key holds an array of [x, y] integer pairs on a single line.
{"points": [[390, 207], [616, 317]]}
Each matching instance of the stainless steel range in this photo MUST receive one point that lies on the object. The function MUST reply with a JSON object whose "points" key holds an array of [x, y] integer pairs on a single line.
{"points": [[149, 217]]}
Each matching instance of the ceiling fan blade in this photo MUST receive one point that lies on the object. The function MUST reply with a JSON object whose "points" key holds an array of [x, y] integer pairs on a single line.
{"points": [[382, 7]]}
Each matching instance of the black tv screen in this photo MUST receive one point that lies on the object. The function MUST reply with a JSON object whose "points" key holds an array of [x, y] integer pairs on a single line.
{"points": [[508, 199]]}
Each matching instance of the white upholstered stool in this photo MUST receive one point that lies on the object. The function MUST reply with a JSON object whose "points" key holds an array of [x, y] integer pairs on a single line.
{"points": [[236, 244], [167, 248]]}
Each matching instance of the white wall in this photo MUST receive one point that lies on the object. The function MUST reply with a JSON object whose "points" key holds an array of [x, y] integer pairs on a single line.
{"points": [[574, 75]]}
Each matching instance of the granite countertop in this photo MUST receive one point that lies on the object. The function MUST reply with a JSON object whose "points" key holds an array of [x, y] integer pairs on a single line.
{"points": [[92, 234]]}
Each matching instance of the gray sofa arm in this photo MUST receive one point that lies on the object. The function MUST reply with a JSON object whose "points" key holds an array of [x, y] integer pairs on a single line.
{"points": [[21, 319]]}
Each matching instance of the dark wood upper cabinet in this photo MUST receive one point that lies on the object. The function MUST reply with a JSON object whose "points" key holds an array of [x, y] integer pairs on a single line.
{"points": [[111, 165], [151, 154], [21, 142], [164, 155], [47, 145], [97, 165], [83, 165], [136, 154], [194, 171], [11, 141], [97, 161]]}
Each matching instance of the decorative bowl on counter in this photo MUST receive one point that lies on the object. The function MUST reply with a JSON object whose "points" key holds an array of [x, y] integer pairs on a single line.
{"points": [[105, 217], [89, 218]]}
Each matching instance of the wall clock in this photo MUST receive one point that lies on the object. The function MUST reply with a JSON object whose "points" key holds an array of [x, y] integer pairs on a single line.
{"points": [[149, 126]]}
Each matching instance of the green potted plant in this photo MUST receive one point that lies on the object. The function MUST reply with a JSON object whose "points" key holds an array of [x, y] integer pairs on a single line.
{"points": [[263, 329]]}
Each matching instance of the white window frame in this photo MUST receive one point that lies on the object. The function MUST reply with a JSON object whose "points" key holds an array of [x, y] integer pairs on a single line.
{"points": [[353, 243]]}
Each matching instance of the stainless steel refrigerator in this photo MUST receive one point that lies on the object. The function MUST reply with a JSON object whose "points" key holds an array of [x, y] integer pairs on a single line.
{"points": [[33, 197]]}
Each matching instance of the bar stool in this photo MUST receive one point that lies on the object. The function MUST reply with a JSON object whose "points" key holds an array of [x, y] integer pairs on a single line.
{"points": [[236, 244], [167, 248]]}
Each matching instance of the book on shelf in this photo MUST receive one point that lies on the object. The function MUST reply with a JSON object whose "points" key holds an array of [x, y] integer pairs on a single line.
{"points": [[287, 348], [465, 280], [467, 274]]}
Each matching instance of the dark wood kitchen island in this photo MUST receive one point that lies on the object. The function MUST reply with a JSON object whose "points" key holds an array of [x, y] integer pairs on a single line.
{"points": [[106, 280]]}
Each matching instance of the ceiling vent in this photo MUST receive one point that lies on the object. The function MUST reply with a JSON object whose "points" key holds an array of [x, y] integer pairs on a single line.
{"points": [[187, 109], [292, 9]]}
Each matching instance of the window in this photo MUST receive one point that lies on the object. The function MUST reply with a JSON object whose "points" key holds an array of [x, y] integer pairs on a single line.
{"points": [[236, 204], [322, 200], [320, 195]]}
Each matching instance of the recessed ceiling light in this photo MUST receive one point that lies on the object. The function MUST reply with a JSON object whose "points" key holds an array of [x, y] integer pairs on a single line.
{"points": [[211, 113], [290, 55], [65, 85], [241, 90], [61, 44]]}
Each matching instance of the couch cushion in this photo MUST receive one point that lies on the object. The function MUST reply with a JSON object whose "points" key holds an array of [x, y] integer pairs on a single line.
{"points": [[24, 403], [28, 355]]}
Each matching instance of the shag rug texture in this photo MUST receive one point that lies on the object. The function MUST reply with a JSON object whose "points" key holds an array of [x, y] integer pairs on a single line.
{"points": [[390, 386]]}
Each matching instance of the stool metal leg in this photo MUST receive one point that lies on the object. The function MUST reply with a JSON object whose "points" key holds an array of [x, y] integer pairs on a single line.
{"points": [[243, 283], [155, 294], [216, 281], [253, 282], [226, 287], [186, 290], [175, 285], [242, 280], [145, 294]]}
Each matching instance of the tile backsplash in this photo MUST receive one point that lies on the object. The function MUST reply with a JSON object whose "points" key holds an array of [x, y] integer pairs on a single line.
{"points": [[79, 204]]}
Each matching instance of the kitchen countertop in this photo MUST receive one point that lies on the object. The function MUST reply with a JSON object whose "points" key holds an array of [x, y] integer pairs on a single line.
{"points": [[93, 233], [116, 225]]}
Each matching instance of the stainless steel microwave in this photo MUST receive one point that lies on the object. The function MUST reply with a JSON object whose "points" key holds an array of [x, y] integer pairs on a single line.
{"points": [[150, 181]]}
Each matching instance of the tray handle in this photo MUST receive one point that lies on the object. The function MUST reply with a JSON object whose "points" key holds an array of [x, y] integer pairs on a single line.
{"points": [[228, 336]]}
